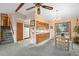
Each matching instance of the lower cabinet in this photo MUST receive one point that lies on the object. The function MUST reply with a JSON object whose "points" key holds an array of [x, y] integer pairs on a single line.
{"points": [[42, 37]]}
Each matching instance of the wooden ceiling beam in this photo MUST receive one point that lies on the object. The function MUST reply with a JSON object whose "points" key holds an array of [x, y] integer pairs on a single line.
{"points": [[19, 7]]}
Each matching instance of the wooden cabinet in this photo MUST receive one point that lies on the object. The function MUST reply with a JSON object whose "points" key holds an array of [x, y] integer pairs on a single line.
{"points": [[42, 25], [42, 37], [5, 20]]}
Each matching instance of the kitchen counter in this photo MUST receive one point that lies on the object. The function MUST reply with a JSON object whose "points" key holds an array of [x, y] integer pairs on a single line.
{"points": [[42, 37], [42, 31]]}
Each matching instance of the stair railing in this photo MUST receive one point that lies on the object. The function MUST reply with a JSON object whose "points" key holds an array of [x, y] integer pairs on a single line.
{"points": [[11, 25]]}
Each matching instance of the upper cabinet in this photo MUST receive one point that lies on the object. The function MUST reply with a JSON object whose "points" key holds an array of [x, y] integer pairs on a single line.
{"points": [[42, 25], [5, 20]]}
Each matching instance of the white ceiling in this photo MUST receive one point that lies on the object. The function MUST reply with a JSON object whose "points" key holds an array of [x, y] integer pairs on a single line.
{"points": [[23, 9], [8, 7], [61, 10]]}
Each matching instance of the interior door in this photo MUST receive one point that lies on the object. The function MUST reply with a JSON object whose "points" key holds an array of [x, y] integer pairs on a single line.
{"points": [[19, 31]]}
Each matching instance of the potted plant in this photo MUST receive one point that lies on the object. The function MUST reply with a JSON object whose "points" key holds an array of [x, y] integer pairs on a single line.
{"points": [[76, 29], [76, 38], [62, 34]]}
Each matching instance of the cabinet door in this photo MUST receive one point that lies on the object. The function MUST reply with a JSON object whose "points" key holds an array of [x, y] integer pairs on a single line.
{"points": [[42, 25], [5, 20]]}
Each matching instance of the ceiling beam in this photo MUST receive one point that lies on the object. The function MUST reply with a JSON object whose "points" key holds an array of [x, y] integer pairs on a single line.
{"points": [[19, 7]]}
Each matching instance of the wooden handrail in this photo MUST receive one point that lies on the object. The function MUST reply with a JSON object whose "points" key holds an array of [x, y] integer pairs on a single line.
{"points": [[11, 25]]}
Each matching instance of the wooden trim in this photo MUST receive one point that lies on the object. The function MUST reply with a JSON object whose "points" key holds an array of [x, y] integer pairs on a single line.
{"points": [[69, 22], [65, 22], [28, 26], [19, 7]]}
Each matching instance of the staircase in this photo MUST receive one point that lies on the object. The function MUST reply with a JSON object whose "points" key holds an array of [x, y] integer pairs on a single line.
{"points": [[6, 35]]}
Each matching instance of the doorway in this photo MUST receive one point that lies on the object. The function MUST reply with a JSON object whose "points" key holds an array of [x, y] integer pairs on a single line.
{"points": [[26, 32]]}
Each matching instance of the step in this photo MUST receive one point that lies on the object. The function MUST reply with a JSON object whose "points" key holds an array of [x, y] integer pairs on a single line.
{"points": [[8, 34], [7, 42], [8, 39], [6, 29]]}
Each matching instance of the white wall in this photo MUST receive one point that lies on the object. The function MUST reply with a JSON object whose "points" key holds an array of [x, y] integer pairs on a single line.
{"points": [[73, 24], [16, 17]]}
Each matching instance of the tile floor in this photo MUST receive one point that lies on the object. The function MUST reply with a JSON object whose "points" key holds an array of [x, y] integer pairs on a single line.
{"points": [[48, 49]]}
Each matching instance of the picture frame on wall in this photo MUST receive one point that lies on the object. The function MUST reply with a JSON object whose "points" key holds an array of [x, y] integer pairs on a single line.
{"points": [[32, 23], [51, 27]]}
